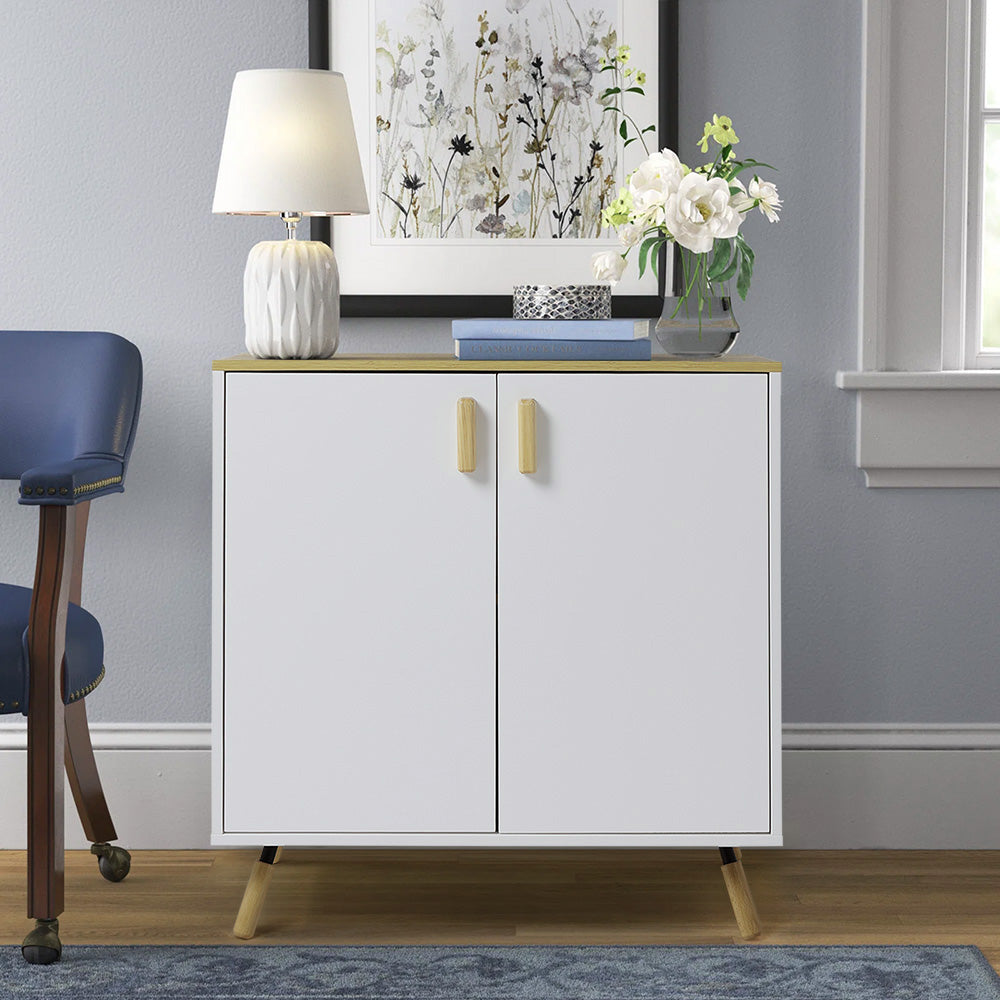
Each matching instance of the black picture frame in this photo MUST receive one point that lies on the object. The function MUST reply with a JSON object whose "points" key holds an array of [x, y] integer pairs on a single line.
{"points": [[450, 306]]}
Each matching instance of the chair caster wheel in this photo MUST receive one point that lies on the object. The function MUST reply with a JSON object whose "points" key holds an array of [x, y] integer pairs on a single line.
{"points": [[42, 946], [114, 862]]}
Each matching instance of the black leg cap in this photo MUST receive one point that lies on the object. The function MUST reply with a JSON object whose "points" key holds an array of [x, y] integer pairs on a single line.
{"points": [[42, 946], [114, 862]]}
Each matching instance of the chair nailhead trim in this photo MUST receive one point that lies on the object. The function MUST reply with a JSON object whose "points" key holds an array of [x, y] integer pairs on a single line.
{"points": [[99, 485], [77, 490], [76, 695], [83, 692]]}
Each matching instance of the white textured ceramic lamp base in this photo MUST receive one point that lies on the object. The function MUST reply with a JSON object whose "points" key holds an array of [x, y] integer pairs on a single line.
{"points": [[291, 300]]}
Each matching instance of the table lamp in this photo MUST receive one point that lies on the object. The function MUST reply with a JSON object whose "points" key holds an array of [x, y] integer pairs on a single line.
{"points": [[290, 150]]}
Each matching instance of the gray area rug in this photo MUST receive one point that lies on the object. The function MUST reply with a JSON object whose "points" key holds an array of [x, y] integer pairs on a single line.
{"points": [[392, 972]]}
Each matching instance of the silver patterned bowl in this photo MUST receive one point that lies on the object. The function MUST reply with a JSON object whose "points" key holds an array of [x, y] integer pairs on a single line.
{"points": [[562, 302]]}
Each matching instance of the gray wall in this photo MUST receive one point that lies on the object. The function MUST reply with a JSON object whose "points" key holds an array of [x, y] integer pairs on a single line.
{"points": [[112, 119], [890, 595]]}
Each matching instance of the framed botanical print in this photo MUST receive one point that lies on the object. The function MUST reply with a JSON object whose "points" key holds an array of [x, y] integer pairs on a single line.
{"points": [[492, 134]]}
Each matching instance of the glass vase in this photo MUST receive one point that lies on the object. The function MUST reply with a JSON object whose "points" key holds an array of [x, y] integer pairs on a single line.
{"points": [[687, 332]]}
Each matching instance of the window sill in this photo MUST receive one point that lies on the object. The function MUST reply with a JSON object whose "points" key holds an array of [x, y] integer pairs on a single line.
{"points": [[927, 429], [981, 379]]}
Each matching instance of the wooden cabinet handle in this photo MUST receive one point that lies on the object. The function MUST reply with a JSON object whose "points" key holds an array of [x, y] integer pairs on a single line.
{"points": [[466, 435], [526, 461]]}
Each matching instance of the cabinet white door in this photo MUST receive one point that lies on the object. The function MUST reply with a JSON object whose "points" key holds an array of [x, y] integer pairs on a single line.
{"points": [[633, 605], [359, 631]]}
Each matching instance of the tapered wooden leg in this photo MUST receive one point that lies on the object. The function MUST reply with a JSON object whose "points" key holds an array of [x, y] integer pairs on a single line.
{"points": [[255, 894], [84, 780], [740, 897], [46, 641], [277, 855]]}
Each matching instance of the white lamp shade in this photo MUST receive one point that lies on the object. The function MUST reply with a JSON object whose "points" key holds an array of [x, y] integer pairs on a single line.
{"points": [[290, 146]]}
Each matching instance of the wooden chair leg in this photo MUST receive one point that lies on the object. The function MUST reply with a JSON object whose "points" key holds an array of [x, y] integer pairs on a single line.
{"points": [[255, 894], [46, 642], [84, 780], [81, 767], [744, 908]]}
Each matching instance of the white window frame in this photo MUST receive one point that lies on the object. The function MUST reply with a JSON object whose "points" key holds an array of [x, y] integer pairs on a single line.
{"points": [[928, 407]]}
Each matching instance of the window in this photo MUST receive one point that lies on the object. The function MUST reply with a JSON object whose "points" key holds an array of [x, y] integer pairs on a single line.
{"points": [[983, 349], [929, 266]]}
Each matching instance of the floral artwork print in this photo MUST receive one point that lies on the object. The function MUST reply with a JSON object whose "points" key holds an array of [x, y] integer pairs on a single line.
{"points": [[489, 122]]}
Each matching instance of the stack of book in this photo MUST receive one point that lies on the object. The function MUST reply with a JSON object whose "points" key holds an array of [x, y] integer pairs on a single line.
{"points": [[552, 339]]}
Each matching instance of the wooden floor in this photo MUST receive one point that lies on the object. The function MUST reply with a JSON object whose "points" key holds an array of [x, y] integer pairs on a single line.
{"points": [[528, 897]]}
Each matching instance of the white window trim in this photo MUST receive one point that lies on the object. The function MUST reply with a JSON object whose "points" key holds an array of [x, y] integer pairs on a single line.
{"points": [[924, 418]]}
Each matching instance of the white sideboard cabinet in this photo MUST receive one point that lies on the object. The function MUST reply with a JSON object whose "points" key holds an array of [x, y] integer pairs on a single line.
{"points": [[496, 604]]}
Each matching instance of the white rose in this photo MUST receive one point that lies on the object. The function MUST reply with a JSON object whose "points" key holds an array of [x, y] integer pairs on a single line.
{"points": [[630, 233], [766, 196], [700, 213], [653, 182], [667, 162], [608, 265]]}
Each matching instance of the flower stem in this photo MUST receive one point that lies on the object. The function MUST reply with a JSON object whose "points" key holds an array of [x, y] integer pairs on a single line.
{"points": [[689, 281], [444, 181]]}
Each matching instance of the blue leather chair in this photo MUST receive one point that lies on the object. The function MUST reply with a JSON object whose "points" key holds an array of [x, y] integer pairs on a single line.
{"points": [[69, 404]]}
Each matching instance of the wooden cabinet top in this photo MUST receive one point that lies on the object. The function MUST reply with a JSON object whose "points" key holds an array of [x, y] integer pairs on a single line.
{"points": [[447, 363]]}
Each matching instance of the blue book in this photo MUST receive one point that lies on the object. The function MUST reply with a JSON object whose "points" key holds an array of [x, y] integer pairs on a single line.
{"points": [[549, 329], [554, 350]]}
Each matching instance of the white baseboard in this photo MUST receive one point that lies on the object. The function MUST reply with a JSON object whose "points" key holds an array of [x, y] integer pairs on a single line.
{"points": [[157, 780], [906, 786], [913, 787], [912, 799]]}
